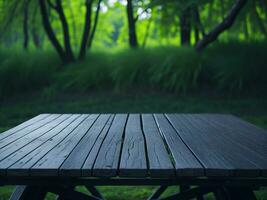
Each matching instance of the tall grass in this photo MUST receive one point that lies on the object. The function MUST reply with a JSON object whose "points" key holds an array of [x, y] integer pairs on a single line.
{"points": [[167, 68], [231, 66], [237, 66], [21, 72]]}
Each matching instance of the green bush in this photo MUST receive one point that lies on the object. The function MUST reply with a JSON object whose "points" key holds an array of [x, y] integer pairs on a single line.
{"points": [[226, 66], [21, 72], [236, 66], [178, 71], [93, 73], [130, 68]]}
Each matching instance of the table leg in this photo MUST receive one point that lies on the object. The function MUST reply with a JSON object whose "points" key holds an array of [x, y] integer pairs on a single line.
{"points": [[60, 197], [28, 193], [184, 188], [157, 193], [221, 194], [94, 192], [190, 194], [71, 194]]}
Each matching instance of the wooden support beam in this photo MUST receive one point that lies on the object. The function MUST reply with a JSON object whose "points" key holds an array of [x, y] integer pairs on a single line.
{"points": [[189, 194], [69, 194], [28, 193], [157, 193], [94, 192]]}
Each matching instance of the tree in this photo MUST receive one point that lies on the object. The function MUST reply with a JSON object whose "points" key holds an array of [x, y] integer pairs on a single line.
{"points": [[198, 26], [131, 25], [227, 22], [87, 29], [185, 26], [66, 54], [173, 20], [50, 33], [68, 49], [92, 34], [89, 32], [26, 23], [36, 34]]}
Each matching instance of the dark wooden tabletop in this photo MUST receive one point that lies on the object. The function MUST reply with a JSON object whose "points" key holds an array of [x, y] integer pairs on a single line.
{"points": [[134, 145]]}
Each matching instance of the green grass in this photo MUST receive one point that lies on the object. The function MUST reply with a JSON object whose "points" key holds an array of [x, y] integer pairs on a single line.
{"points": [[17, 110]]}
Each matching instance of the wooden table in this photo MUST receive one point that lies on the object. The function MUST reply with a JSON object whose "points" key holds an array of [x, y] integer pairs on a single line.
{"points": [[57, 152]]}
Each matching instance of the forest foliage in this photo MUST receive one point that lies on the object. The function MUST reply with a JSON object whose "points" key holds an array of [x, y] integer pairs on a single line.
{"points": [[120, 23], [86, 44]]}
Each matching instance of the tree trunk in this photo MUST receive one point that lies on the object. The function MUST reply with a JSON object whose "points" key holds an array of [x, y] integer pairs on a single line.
{"points": [[26, 24], [92, 34], [87, 29], [131, 25], [224, 25], [147, 32], [199, 22], [245, 28], [185, 25], [74, 29], [65, 27], [34, 33], [49, 31], [198, 27]]}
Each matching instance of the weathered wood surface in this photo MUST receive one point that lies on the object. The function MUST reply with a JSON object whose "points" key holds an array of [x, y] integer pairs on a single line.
{"points": [[133, 157], [134, 145], [108, 158]]}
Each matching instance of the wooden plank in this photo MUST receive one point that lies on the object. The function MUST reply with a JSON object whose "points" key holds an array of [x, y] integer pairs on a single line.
{"points": [[21, 142], [73, 164], [22, 166], [241, 132], [22, 126], [186, 163], [219, 156], [256, 131], [107, 160], [34, 135], [133, 159], [27, 130], [50, 163], [201, 146], [160, 164], [250, 139], [90, 160], [244, 161], [20, 153]]}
